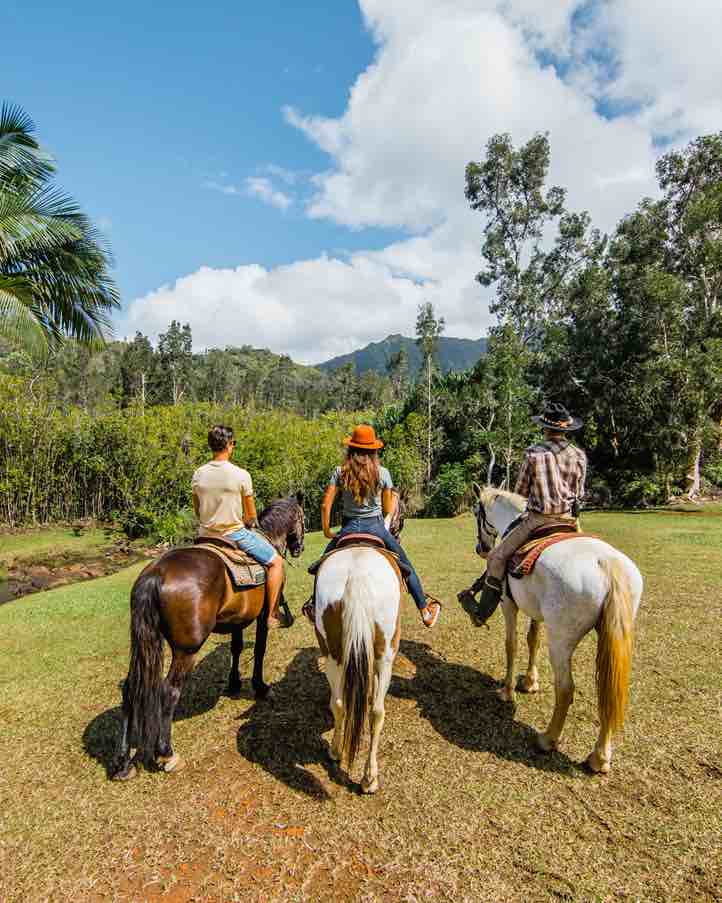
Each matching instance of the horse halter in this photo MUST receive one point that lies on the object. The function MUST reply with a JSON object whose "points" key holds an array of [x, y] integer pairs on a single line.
{"points": [[483, 525]]}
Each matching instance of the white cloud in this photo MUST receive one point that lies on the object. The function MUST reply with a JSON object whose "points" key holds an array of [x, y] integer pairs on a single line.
{"points": [[311, 309], [448, 74], [262, 188], [223, 188]]}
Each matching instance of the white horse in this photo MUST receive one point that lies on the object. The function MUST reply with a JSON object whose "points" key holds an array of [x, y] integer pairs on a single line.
{"points": [[358, 600], [575, 585]]}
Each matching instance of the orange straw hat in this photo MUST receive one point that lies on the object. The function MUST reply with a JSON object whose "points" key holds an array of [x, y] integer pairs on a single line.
{"points": [[364, 437]]}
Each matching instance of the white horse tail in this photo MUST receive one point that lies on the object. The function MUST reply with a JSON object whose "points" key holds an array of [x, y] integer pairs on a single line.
{"points": [[357, 663], [614, 646]]}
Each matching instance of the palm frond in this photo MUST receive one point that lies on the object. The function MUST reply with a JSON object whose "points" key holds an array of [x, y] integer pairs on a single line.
{"points": [[20, 153]]}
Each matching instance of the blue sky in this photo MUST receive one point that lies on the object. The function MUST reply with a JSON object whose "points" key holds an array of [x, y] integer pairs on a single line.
{"points": [[292, 175], [145, 105]]}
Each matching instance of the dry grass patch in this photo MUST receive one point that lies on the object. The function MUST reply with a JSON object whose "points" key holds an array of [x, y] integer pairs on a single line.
{"points": [[467, 811]]}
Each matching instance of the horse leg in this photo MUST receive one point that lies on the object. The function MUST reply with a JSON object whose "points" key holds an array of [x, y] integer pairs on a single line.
{"points": [[370, 782], [234, 678], [530, 682], [171, 688], [560, 654], [121, 767], [260, 688], [509, 607], [600, 758], [334, 677]]}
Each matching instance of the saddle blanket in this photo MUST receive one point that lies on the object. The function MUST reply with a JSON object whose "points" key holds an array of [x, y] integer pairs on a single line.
{"points": [[245, 572], [522, 562], [401, 569]]}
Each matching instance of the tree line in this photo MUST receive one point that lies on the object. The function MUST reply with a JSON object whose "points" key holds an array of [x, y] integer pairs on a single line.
{"points": [[625, 329]]}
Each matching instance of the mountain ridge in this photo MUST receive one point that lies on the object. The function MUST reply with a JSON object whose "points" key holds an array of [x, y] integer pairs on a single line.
{"points": [[453, 354]]}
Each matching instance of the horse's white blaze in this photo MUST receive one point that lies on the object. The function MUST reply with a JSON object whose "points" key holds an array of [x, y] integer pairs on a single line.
{"points": [[366, 586], [567, 590]]}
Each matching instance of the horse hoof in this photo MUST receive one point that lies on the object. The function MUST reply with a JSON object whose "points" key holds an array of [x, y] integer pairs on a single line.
{"points": [[174, 763], [525, 685], [369, 786], [505, 694], [234, 692], [597, 765], [262, 691], [125, 774], [545, 744]]}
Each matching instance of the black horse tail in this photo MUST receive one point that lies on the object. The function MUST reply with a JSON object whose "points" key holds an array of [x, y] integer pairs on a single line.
{"points": [[145, 672]]}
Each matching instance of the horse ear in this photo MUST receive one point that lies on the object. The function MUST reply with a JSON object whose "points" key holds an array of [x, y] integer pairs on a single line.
{"points": [[299, 497], [477, 490]]}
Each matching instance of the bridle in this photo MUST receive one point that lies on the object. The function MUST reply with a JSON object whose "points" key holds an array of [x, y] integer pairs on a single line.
{"points": [[482, 524]]}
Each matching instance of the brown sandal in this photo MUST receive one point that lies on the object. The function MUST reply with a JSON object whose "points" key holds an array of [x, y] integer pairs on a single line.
{"points": [[430, 614]]}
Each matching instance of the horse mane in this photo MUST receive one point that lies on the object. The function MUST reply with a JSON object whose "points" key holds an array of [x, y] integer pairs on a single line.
{"points": [[489, 495], [276, 517]]}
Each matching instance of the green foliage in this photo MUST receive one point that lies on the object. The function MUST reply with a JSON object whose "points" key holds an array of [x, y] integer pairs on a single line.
{"points": [[448, 491], [54, 273]]}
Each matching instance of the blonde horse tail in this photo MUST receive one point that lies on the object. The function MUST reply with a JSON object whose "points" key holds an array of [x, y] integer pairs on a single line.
{"points": [[614, 647], [357, 662]]}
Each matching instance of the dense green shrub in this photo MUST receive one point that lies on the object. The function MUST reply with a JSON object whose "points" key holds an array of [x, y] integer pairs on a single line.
{"points": [[134, 466], [448, 491]]}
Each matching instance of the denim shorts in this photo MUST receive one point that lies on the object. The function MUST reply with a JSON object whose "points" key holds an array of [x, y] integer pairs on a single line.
{"points": [[254, 544]]}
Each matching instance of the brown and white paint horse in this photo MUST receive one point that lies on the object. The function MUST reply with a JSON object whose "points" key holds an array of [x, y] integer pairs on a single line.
{"points": [[358, 601]]}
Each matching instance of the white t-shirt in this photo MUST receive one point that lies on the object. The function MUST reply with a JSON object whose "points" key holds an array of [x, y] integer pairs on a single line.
{"points": [[218, 489]]}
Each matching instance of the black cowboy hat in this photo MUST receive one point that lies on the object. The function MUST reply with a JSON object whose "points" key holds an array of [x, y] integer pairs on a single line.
{"points": [[557, 417]]}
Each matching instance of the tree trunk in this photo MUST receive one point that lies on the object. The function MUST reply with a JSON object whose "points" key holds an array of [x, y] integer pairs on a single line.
{"points": [[692, 472], [428, 462]]}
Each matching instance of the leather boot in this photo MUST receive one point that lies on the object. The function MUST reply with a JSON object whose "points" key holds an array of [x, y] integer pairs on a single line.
{"points": [[481, 611]]}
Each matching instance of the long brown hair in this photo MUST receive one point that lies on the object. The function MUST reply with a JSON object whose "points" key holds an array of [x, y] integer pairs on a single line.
{"points": [[360, 474]]}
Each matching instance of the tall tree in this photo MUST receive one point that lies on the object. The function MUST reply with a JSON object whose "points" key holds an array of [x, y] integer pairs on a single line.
{"points": [[136, 367], [508, 187], [397, 369], [428, 331], [54, 271], [174, 364]]}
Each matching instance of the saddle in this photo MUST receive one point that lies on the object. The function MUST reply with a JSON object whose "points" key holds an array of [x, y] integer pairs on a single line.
{"points": [[522, 562], [245, 572], [369, 541]]}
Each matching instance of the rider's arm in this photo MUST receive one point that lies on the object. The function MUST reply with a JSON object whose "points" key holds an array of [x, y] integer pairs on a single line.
{"points": [[250, 518], [196, 504], [523, 482], [326, 506], [388, 502]]}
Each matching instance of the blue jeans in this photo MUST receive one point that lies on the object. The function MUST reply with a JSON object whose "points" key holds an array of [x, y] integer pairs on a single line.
{"points": [[375, 526], [253, 544]]}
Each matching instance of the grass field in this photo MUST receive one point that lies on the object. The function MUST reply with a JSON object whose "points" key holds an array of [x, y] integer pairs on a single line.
{"points": [[50, 541], [467, 810]]}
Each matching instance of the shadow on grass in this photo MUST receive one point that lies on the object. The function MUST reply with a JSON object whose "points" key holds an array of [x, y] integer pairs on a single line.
{"points": [[283, 734], [461, 704], [202, 690]]}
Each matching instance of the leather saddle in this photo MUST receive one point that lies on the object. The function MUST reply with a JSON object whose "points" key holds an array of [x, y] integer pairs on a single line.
{"points": [[245, 572], [369, 541], [522, 562]]}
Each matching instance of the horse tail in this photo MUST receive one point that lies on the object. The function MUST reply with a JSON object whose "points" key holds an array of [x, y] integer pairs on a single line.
{"points": [[357, 661], [146, 664], [614, 646]]}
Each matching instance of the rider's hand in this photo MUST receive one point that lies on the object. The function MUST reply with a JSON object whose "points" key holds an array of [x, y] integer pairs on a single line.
{"points": [[329, 535]]}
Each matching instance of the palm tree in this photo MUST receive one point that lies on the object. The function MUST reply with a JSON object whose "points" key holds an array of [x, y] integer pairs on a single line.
{"points": [[54, 270]]}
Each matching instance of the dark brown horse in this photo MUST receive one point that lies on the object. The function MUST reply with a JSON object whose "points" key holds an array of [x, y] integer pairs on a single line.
{"points": [[183, 597]]}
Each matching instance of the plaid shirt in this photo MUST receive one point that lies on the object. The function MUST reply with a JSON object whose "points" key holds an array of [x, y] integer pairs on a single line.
{"points": [[552, 475]]}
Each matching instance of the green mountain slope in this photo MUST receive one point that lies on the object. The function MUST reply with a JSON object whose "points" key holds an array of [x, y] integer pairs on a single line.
{"points": [[454, 354]]}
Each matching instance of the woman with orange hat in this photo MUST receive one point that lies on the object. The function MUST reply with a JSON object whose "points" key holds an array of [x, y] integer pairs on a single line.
{"points": [[367, 497]]}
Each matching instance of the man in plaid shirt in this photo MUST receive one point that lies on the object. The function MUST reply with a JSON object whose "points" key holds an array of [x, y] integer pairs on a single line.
{"points": [[552, 480]]}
